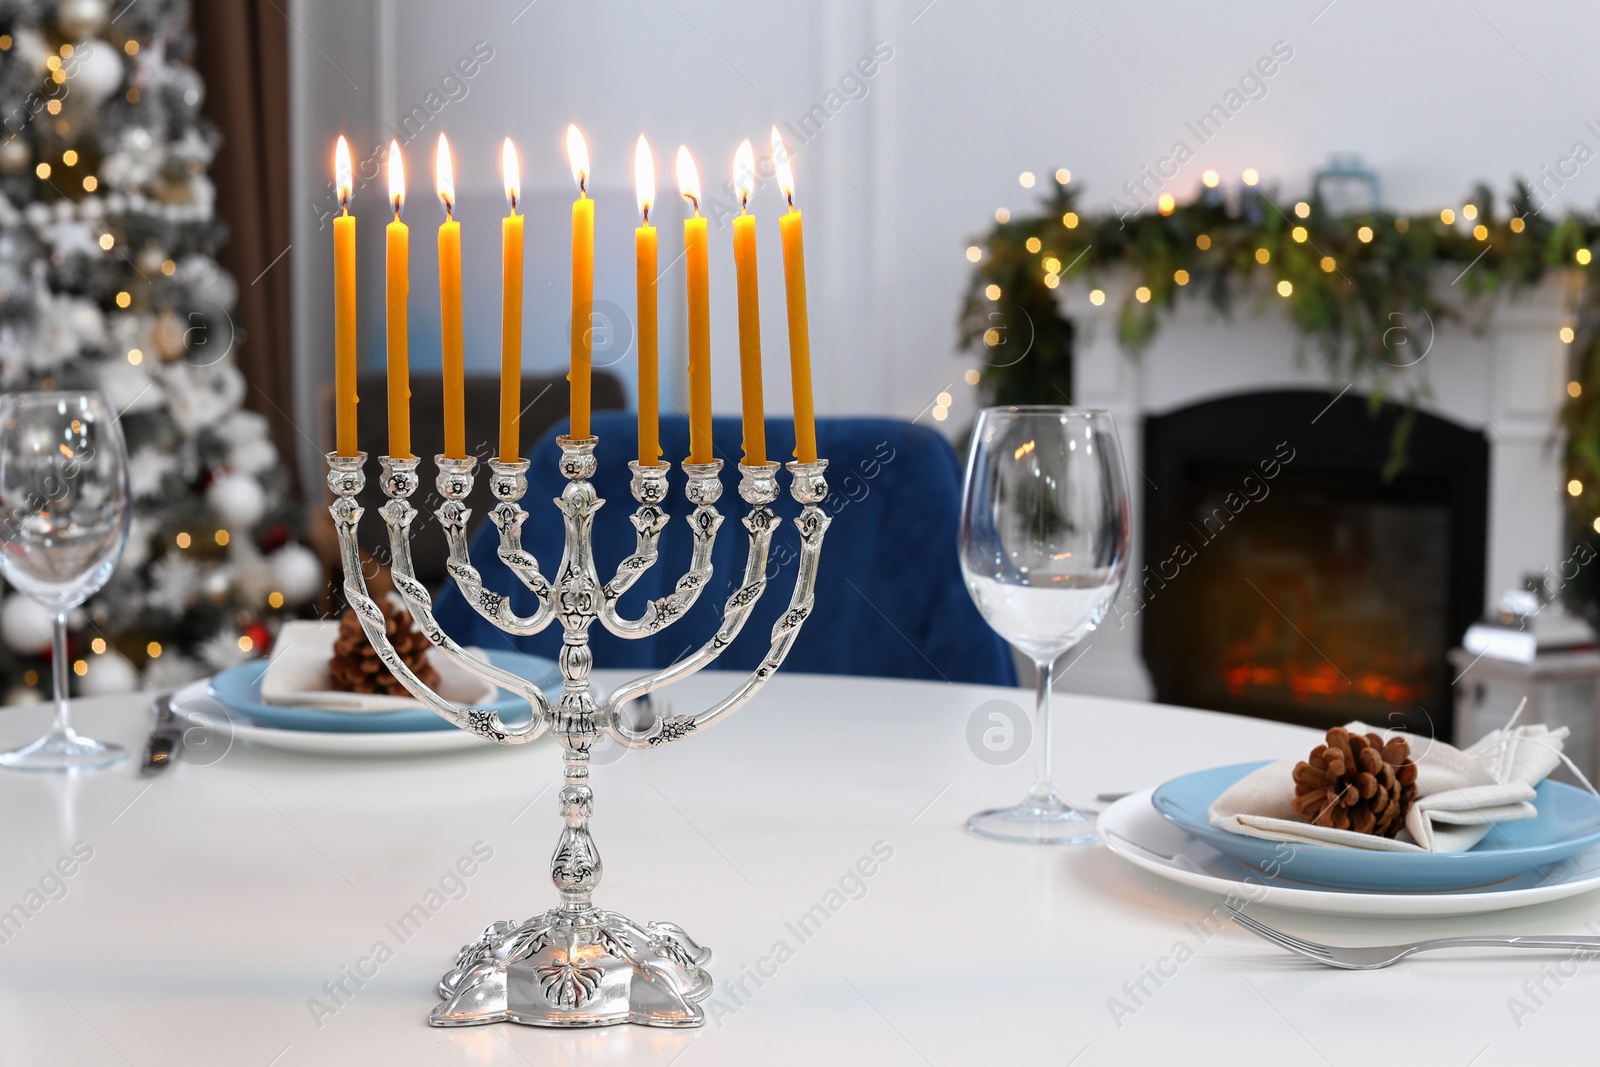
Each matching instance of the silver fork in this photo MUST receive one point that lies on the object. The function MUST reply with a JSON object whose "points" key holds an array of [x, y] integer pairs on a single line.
{"points": [[1380, 956]]}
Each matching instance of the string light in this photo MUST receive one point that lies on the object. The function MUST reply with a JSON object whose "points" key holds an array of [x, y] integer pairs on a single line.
{"points": [[1063, 176], [1583, 257], [90, 183], [70, 157], [124, 298], [153, 650], [1097, 297], [1026, 179], [1469, 211], [1070, 220], [1574, 389], [245, 644], [221, 537], [1447, 217], [135, 356], [1566, 335], [972, 377], [1517, 225], [42, 170], [275, 598], [1328, 265], [1285, 287], [1263, 256], [1364, 235], [992, 292], [1002, 215], [1052, 265], [1299, 234], [107, 241], [1303, 210], [80, 667], [1033, 244], [1574, 488], [1202, 242], [99, 645], [1597, 525], [1251, 175], [974, 253], [991, 337], [1165, 204], [1210, 178], [1052, 280], [183, 540], [1181, 277], [1481, 232], [1142, 294]]}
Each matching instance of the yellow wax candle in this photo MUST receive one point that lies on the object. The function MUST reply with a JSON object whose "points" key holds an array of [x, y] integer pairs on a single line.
{"points": [[794, 278], [644, 250], [511, 311], [455, 414], [696, 249], [744, 262], [582, 283], [344, 308], [398, 293]]}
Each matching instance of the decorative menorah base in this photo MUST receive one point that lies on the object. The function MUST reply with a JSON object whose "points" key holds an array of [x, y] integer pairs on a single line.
{"points": [[576, 965], [591, 968]]}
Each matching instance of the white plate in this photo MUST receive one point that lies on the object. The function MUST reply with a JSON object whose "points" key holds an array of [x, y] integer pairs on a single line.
{"points": [[195, 704], [1134, 830]]}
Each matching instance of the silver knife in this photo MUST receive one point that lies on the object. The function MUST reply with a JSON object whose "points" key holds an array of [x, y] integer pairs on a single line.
{"points": [[166, 740]]}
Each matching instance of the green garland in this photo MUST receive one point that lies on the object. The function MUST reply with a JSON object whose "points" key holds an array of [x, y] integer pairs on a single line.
{"points": [[1346, 281]]}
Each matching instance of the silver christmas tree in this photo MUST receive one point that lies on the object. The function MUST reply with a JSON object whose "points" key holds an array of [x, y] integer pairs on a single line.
{"points": [[108, 280]]}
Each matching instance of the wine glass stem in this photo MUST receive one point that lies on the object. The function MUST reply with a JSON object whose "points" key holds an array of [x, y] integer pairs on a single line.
{"points": [[58, 672], [1044, 668]]}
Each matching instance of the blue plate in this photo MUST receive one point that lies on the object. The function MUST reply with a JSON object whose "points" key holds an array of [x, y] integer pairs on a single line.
{"points": [[239, 689], [1568, 822]]}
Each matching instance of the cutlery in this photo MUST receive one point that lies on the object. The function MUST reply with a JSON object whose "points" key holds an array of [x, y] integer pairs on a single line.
{"points": [[166, 739], [1379, 956]]}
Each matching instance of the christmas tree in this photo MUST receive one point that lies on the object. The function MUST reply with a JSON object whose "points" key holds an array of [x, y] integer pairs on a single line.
{"points": [[108, 282]]}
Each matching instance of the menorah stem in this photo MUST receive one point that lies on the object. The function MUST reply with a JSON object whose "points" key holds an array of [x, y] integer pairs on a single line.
{"points": [[575, 867]]}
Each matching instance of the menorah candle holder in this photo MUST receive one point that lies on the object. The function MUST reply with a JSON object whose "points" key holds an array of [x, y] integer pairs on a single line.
{"points": [[576, 964]]}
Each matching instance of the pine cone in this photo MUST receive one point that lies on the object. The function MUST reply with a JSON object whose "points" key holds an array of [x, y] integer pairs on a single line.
{"points": [[1355, 782], [355, 666]]}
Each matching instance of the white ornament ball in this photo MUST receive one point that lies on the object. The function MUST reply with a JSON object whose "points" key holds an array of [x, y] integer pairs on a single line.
{"points": [[15, 155], [82, 18], [238, 500], [26, 625], [95, 73], [108, 673], [298, 574]]}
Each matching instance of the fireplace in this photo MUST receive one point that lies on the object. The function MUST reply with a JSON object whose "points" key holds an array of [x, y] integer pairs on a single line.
{"points": [[1286, 577]]}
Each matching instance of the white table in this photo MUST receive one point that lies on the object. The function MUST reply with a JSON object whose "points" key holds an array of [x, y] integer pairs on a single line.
{"points": [[219, 899]]}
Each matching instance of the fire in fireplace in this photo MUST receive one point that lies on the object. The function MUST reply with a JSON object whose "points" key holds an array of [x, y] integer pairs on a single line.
{"points": [[1285, 577]]}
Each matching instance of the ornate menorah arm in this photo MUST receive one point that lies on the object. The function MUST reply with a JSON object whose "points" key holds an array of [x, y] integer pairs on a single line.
{"points": [[649, 489], [508, 482], [346, 478], [810, 488]]}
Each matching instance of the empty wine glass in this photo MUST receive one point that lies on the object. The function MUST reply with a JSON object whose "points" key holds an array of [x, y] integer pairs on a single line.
{"points": [[1044, 545], [63, 522]]}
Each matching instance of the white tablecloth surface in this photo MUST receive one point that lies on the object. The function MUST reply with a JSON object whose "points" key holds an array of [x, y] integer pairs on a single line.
{"points": [[219, 905]]}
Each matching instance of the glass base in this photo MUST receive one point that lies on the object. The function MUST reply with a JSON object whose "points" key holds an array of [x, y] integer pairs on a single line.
{"points": [[1043, 818], [63, 750]]}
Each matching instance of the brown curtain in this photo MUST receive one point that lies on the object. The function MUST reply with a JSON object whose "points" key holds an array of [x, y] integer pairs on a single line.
{"points": [[243, 55]]}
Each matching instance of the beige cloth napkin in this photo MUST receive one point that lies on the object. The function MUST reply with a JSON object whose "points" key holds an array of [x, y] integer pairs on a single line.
{"points": [[1460, 794]]}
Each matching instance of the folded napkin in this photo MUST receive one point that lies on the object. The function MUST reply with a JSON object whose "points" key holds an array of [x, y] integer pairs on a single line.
{"points": [[1460, 794], [297, 676]]}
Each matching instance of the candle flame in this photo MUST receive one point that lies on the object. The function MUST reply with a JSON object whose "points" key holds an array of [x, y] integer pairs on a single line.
{"points": [[781, 162], [511, 172], [644, 176], [444, 177], [688, 178], [397, 177], [744, 172], [578, 153], [342, 177]]}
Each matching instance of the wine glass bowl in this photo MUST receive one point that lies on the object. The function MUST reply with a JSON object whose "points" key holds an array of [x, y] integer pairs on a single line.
{"points": [[1044, 547], [63, 523]]}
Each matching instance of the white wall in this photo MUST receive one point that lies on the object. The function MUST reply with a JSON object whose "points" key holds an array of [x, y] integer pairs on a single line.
{"points": [[1435, 96]]}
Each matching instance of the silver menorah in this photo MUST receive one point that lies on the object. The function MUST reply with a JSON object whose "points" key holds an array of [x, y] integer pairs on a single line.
{"points": [[575, 964]]}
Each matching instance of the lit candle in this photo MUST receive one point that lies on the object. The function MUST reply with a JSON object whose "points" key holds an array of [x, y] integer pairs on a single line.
{"points": [[644, 250], [344, 306], [582, 283], [697, 270], [510, 310], [455, 410], [744, 262], [399, 288], [794, 278]]}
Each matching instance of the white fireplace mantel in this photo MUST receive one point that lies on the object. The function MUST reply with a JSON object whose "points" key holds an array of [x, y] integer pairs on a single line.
{"points": [[1508, 380]]}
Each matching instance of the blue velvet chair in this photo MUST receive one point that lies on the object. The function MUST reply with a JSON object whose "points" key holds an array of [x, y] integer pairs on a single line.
{"points": [[889, 600]]}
